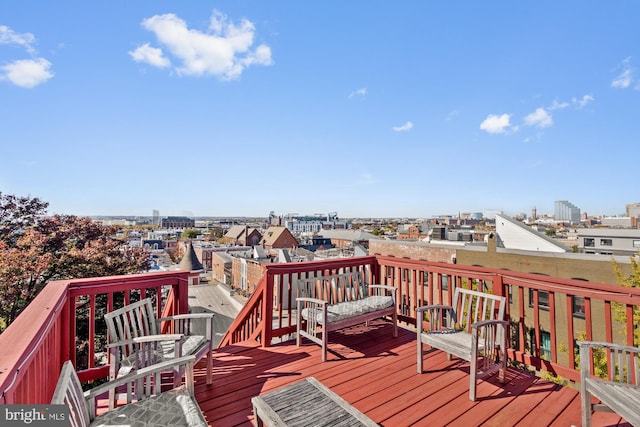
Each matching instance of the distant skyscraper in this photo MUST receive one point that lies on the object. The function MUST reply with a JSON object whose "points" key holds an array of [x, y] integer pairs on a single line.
{"points": [[566, 212], [534, 214], [156, 217]]}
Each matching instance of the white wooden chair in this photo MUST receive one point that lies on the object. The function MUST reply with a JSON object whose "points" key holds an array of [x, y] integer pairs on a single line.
{"points": [[146, 404], [472, 329], [620, 390], [135, 323]]}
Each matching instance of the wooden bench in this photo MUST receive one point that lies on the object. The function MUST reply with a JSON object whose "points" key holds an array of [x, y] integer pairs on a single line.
{"points": [[620, 390], [136, 322], [175, 407], [472, 329], [332, 302]]}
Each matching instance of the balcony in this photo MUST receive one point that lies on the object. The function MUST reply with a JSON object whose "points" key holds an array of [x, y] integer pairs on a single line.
{"points": [[373, 371]]}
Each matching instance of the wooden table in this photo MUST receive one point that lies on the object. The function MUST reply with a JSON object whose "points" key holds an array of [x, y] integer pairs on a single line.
{"points": [[306, 402]]}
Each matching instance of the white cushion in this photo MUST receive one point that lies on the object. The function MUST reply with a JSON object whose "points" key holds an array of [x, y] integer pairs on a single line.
{"points": [[348, 309], [171, 408]]}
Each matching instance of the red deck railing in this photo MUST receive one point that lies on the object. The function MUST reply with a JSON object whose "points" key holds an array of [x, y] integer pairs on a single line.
{"points": [[547, 314], [36, 344]]}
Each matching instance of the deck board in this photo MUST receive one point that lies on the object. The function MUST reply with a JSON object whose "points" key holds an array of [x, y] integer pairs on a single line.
{"points": [[376, 373]]}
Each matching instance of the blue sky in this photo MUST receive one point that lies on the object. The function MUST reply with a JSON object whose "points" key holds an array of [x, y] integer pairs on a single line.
{"points": [[370, 109]]}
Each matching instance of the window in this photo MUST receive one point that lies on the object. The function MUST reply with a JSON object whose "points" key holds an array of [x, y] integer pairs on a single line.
{"points": [[510, 294], [606, 242], [445, 282], [577, 304], [636, 243], [543, 299], [589, 241], [389, 272], [545, 345], [405, 274], [425, 279]]}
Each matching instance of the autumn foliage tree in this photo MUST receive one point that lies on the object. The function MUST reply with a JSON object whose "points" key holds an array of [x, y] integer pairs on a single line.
{"points": [[35, 249]]}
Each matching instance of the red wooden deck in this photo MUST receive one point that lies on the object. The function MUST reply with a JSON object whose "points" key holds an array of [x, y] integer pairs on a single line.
{"points": [[376, 373]]}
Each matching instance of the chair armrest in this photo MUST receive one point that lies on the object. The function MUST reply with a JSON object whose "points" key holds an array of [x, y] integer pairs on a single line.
{"points": [[146, 339], [140, 373], [483, 323], [433, 308], [391, 289], [187, 316], [311, 300]]}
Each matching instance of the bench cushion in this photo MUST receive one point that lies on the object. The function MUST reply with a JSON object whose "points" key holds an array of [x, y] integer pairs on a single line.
{"points": [[349, 309], [171, 408]]}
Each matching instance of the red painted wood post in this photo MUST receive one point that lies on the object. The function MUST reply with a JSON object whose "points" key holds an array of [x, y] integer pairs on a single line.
{"points": [[267, 311], [570, 332]]}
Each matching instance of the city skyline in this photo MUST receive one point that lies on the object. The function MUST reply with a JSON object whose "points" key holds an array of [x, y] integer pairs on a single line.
{"points": [[370, 110]]}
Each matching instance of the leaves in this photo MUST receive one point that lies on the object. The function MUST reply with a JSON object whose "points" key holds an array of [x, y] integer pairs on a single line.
{"points": [[36, 249]]}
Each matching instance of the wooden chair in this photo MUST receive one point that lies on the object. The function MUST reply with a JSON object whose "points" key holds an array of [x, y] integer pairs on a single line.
{"points": [[472, 329], [146, 404], [136, 322], [620, 390]]}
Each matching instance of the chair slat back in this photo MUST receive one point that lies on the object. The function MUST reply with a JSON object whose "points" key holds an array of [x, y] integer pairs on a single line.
{"points": [[131, 321], [69, 392], [472, 306]]}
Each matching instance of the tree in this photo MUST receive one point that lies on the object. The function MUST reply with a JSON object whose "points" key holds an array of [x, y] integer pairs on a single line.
{"points": [[190, 233], [36, 249], [630, 281]]}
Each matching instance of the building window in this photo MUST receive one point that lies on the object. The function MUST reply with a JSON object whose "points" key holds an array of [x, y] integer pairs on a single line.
{"points": [[425, 279], [405, 274], [389, 272], [543, 299], [606, 253], [445, 282], [589, 242], [510, 294], [577, 304], [636, 243], [545, 345], [606, 242]]}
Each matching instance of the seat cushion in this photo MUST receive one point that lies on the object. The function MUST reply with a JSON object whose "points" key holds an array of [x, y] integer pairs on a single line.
{"points": [[348, 309], [190, 345], [171, 408]]}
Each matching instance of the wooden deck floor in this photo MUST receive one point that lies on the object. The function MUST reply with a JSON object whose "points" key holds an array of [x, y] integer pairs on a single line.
{"points": [[376, 373]]}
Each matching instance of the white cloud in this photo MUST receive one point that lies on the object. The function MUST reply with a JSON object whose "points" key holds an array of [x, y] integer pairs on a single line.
{"points": [[8, 36], [452, 114], [625, 78], [150, 55], [359, 92], [224, 51], [405, 127], [539, 118], [557, 105], [496, 124], [582, 102], [27, 73]]}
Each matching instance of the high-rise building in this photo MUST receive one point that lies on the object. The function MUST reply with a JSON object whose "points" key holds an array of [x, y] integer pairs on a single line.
{"points": [[156, 217], [633, 210], [566, 212]]}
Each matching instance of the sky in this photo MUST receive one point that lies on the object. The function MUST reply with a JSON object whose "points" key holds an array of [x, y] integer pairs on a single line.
{"points": [[364, 108]]}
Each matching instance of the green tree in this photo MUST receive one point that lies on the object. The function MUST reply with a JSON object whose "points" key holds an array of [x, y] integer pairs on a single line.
{"points": [[629, 281], [190, 233]]}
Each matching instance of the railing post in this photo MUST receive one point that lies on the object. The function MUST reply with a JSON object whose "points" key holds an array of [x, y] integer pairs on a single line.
{"points": [[267, 311]]}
